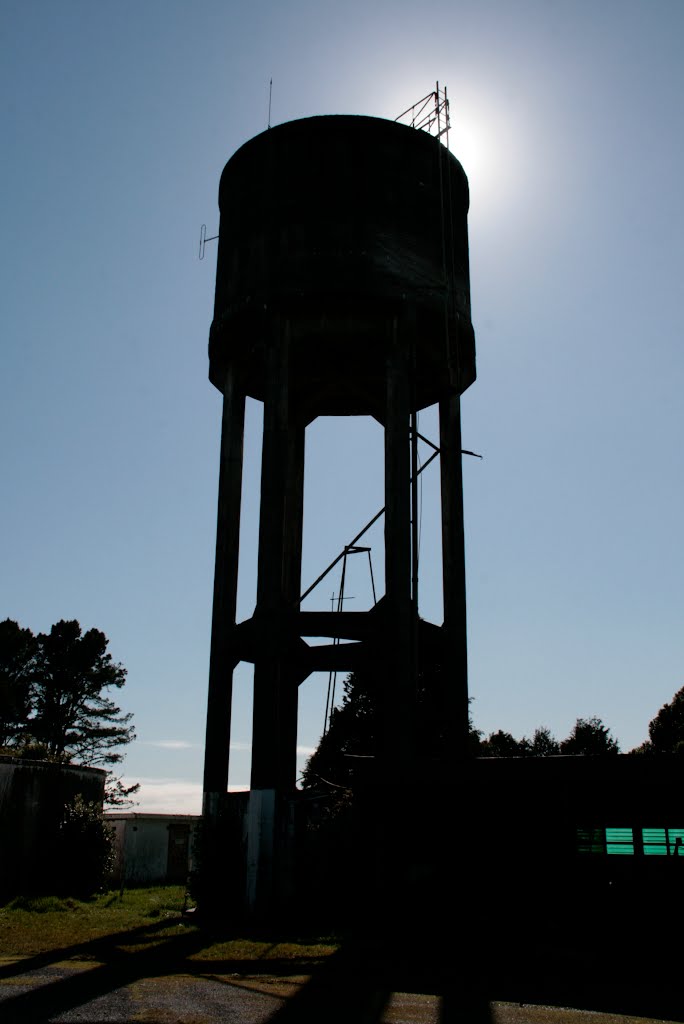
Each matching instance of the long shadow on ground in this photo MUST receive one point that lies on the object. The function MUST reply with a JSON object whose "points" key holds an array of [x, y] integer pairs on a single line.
{"points": [[115, 967], [356, 983]]}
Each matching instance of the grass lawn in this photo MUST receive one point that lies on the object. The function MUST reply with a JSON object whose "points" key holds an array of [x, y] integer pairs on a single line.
{"points": [[140, 919], [50, 930]]}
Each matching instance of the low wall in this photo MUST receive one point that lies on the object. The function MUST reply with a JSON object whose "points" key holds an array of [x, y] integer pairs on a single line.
{"points": [[33, 795]]}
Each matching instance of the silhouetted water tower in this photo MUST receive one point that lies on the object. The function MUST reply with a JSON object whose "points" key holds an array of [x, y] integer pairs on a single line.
{"points": [[342, 287]]}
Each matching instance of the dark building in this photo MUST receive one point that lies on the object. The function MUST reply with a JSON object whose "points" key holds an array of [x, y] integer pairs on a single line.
{"points": [[33, 797]]}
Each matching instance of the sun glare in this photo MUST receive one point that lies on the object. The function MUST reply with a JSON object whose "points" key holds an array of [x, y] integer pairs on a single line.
{"points": [[485, 144], [468, 143], [483, 137]]}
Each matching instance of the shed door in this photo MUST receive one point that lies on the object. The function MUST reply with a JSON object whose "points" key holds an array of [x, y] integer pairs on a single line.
{"points": [[179, 840]]}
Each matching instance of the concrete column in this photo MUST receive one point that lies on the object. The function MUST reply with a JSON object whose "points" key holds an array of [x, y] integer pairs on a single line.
{"points": [[271, 603], [399, 697], [292, 588], [274, 737], [456, 898], [396, 748], [455, 654], [222, 657]]}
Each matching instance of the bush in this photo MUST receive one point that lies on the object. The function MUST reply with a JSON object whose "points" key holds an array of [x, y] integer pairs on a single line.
{"points": [[84, 857]]}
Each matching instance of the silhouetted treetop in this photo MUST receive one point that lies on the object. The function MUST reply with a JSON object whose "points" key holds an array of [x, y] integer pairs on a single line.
{"points": [[590, 737], [542, 744], [500, 744], [666, 730], [72, 715], [352, 736], [53, 700], [17, 654]]}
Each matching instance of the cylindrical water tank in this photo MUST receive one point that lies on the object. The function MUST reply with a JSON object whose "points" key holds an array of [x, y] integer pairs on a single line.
{"points": [[347, 229]]}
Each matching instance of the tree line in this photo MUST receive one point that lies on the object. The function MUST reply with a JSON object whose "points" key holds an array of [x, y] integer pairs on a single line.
{"points": [[54, 703], [588, 737], [350, 738]]}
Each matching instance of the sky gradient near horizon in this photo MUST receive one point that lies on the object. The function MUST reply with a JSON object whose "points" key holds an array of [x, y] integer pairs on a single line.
{"points": [[117, 120]]}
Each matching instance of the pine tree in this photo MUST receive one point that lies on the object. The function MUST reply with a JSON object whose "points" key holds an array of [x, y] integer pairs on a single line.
{"points": [[351, 735], [352, 738], [72, 715], [17, 651]]}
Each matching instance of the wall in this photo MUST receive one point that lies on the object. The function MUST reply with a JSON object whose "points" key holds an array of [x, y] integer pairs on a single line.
{"points": [[152, 848], [32, 799]]}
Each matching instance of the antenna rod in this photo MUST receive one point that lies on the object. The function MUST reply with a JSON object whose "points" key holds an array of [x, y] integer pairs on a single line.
{"points": [[270, 94]]}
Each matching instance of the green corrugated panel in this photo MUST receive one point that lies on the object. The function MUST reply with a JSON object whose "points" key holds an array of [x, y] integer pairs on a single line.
{"points": [[654, 842], [674, 834], [619, 841], [619, 835], [590, 840], [660, 842]]}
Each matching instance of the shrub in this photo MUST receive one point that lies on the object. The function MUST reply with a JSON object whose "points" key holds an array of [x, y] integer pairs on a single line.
{"points": [[84, 850]]}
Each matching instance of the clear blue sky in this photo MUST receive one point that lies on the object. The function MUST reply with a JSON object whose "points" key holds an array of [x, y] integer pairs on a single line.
{"points": [[117, 120]]}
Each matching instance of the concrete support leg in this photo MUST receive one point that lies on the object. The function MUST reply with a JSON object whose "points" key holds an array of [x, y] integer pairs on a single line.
{"points": [[455, 656], [455, 899], [274, 736], [292, 584], [222, 658], [397, 742]]}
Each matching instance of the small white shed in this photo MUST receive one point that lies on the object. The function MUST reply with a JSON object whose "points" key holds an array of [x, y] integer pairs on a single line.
{"points": [[152, 849]]}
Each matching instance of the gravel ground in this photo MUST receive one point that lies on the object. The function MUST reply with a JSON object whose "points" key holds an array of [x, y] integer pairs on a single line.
{"points": [[92, 993]]}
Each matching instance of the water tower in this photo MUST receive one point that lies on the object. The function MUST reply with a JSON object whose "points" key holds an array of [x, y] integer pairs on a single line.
{"points": [[342, 288]]}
